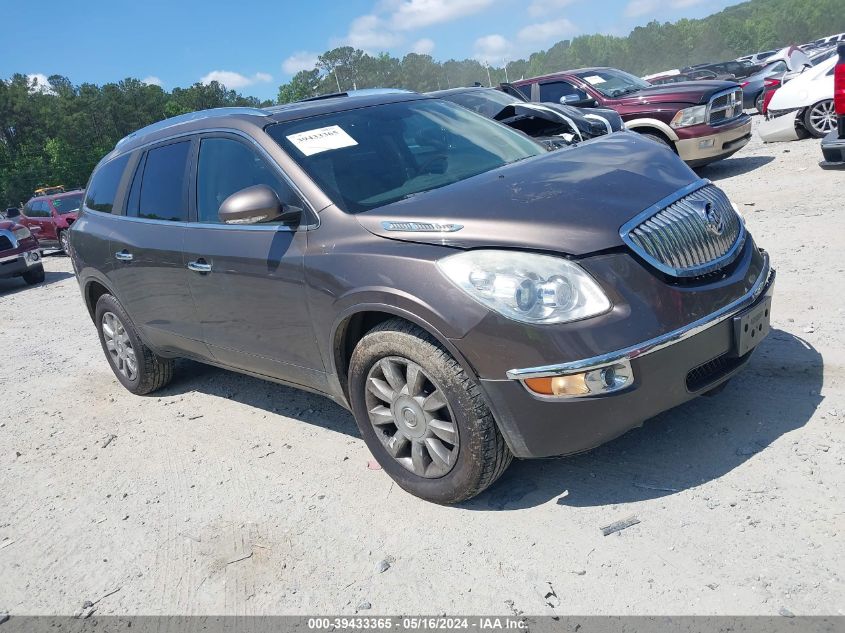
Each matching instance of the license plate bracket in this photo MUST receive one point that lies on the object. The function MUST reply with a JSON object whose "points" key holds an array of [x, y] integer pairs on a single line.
{"points": [[752, 326]]}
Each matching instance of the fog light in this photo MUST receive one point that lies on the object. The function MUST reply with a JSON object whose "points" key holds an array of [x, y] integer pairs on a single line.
{"points": [[707, 143], [594, 382]]}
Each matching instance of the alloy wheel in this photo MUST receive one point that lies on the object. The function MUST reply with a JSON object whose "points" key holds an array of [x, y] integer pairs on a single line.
{"points": [[411, 417], [823, 117], [64, 242], [119, 346]]}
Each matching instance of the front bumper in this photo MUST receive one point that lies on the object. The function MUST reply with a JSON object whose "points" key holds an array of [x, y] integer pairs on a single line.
{"points": [[833, 150], [721, 143], [19, 263], [668, 371]]}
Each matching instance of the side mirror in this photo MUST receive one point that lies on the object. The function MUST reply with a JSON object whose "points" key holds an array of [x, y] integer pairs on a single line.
{"points": [[255, 204], [582, 100]]}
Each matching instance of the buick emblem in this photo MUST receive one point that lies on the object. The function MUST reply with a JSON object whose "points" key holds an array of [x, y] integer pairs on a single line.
{"points": [[712, 217]]}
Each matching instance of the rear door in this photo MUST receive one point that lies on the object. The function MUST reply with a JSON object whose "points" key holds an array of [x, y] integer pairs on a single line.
{"points": [[149, 271], [248, 283]]}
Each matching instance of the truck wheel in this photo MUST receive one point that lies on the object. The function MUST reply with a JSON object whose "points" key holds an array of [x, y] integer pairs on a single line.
{"points": [[422, 416], [34, 275], [64, 242], [135, 365], [657, 138], [820, 119]]}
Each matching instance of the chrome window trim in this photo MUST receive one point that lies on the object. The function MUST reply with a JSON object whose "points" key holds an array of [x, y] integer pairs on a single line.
{"points": [[763, 285], [657, 207], [264, 153]]}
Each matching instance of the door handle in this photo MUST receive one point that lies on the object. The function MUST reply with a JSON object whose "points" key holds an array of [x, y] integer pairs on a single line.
{"points": [[199, 266], [123, 256]]}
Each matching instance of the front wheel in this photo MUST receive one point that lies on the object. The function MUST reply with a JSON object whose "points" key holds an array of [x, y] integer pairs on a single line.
{"points": [[64, 242], [34, 275], [657, 138], [820, 118], [134, 364], [422, 416]]}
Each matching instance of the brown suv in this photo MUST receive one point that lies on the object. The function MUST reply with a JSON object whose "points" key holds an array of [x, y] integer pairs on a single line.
{"points": [[468, 295]]}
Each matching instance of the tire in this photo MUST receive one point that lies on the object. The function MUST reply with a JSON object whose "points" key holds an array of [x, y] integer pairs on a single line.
{"points": [[121, 345], [758, 102], [657, 138], [64, 242], [820, 118], [34, 275], [410, 447]]}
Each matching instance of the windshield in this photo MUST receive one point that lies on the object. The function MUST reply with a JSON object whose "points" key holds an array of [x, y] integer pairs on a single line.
{"points": [[612, 83], [68, 204], [369, 157], [486, 102]]}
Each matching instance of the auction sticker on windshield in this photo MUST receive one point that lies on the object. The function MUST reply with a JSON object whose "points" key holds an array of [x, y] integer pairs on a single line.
{"points": [[322, 139], [594, 80]]}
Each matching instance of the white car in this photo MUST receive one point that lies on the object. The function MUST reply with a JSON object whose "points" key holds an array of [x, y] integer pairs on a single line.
{"points": [[810, 95], [757, 58]]}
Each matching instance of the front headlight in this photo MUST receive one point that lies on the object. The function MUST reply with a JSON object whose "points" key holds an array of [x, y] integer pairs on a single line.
{"points": [[22, 233], [690, 116], [526, 287]]}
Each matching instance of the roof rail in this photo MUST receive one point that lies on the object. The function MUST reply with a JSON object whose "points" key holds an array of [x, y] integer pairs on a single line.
{"points": [[192, 116]]}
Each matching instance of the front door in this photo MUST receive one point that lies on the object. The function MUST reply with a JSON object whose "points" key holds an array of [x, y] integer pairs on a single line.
{"points": [[247, 281], [38, 216], [149, 274]]}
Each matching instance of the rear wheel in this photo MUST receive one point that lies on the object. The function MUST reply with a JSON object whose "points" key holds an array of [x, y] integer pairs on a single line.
{"points": [[136, 366], [820, 119], [422, 416], [34, 275], [758, 102]]}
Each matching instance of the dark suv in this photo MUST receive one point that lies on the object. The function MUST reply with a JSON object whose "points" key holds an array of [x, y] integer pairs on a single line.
{"points": [[469, 295]]}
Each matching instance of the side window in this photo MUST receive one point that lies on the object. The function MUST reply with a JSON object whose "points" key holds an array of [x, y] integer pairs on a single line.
{"points": [[227, 166], [552, 92], [103, 186], [162, 185]]}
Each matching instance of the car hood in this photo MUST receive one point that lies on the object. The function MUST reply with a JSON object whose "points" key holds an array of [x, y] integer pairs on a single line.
{"points": [[692, 92], [570, 201]]}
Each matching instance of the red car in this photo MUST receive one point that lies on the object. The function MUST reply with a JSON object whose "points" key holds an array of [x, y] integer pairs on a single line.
{"points": [[52, 215], [703, 121], [833, 145], [20, 254]]}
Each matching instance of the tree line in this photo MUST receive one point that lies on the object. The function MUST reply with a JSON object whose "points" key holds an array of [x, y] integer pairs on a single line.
{"points": [[56, 134]]}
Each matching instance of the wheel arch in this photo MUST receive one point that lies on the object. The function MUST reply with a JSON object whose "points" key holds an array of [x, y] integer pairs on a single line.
{"points": [[653, 125], [92, 290], [354, 323]]}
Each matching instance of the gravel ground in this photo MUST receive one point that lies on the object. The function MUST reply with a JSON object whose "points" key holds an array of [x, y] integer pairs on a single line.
{"points": [[229, 495]]}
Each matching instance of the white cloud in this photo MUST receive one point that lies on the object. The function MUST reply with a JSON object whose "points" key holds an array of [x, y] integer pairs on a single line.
{"points": [[639, 8], [233, 80], [544, 7], [386, 25], [492, 49], [408, 15], [152, 80], [423, 47], [301, 60], [370, 32], [41, 84], [545, 31]]}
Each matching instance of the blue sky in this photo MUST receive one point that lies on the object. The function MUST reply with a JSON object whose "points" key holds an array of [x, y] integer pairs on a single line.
{"points": [[255, 46]]}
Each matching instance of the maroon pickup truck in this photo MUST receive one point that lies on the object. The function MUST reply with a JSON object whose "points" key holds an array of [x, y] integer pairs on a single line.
{"points": [[703, 121]]}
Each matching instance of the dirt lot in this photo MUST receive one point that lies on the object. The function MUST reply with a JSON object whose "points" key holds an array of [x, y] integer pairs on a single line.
{"points": [[229, 495]]}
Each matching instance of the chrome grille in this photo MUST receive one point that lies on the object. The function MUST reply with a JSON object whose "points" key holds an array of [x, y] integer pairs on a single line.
{"points": [[725, 106], [691, 234]]}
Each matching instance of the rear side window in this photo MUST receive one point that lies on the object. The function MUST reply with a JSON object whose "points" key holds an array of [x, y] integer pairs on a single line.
{"points": [[103, 186], [161, 193], [227, 166]]}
